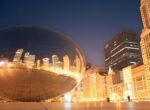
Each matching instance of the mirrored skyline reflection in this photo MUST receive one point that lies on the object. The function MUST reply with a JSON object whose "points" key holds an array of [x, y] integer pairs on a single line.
{"points": [[39, 41], [28, 60], [41, 49], [53, 64]]}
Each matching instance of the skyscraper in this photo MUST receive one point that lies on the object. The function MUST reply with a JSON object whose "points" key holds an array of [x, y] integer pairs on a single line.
{"points": [[145, 40], [122, 50], [145, 9], [18, 55]]}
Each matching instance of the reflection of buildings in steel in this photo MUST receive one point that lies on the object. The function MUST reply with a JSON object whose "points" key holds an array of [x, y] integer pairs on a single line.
{"points": [[59, 64], [46, 63], [55, 59], [77, 64], [3, 62], [56, 66], [66, 62], [17, 57], [29, 60], [82, 60], [38, 63]]}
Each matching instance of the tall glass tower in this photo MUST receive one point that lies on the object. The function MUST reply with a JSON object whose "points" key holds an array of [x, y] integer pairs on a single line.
{"points": [[123, 50]]}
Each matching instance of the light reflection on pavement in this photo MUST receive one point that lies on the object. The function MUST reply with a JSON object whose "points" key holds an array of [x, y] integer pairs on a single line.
{"points": [[74, 106]]}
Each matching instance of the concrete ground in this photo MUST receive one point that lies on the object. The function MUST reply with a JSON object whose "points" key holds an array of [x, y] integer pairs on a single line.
{"points": [[74, 106]]}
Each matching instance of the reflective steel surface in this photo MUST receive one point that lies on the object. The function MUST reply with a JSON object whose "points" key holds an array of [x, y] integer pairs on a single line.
{"points": [[33, 85], [38, 64]]}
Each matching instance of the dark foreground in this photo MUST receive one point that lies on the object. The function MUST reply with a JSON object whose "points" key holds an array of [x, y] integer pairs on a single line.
{"points": [[74, 106]]}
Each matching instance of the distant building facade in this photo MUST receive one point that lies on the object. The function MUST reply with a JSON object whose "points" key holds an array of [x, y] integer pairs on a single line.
{"points": [[128, 83], [94, 88], [139, 82], [133, 84], [122, 50]]}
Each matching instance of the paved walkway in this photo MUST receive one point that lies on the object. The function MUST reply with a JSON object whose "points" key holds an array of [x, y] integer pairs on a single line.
{"points": [[74, 106]]}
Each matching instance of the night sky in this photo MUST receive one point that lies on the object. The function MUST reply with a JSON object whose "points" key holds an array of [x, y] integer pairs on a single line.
{"points": [[90, 23]]}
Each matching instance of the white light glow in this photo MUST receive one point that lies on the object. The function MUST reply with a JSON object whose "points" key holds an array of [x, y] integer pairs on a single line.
{"points": [[67, 97]]}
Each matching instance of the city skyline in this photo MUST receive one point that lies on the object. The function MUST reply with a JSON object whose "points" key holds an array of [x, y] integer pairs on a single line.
{"points": [[84, 25]]}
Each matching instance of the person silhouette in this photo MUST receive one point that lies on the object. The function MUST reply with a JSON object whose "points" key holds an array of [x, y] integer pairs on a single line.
{"points": [[108, 99], [128, 98]]}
